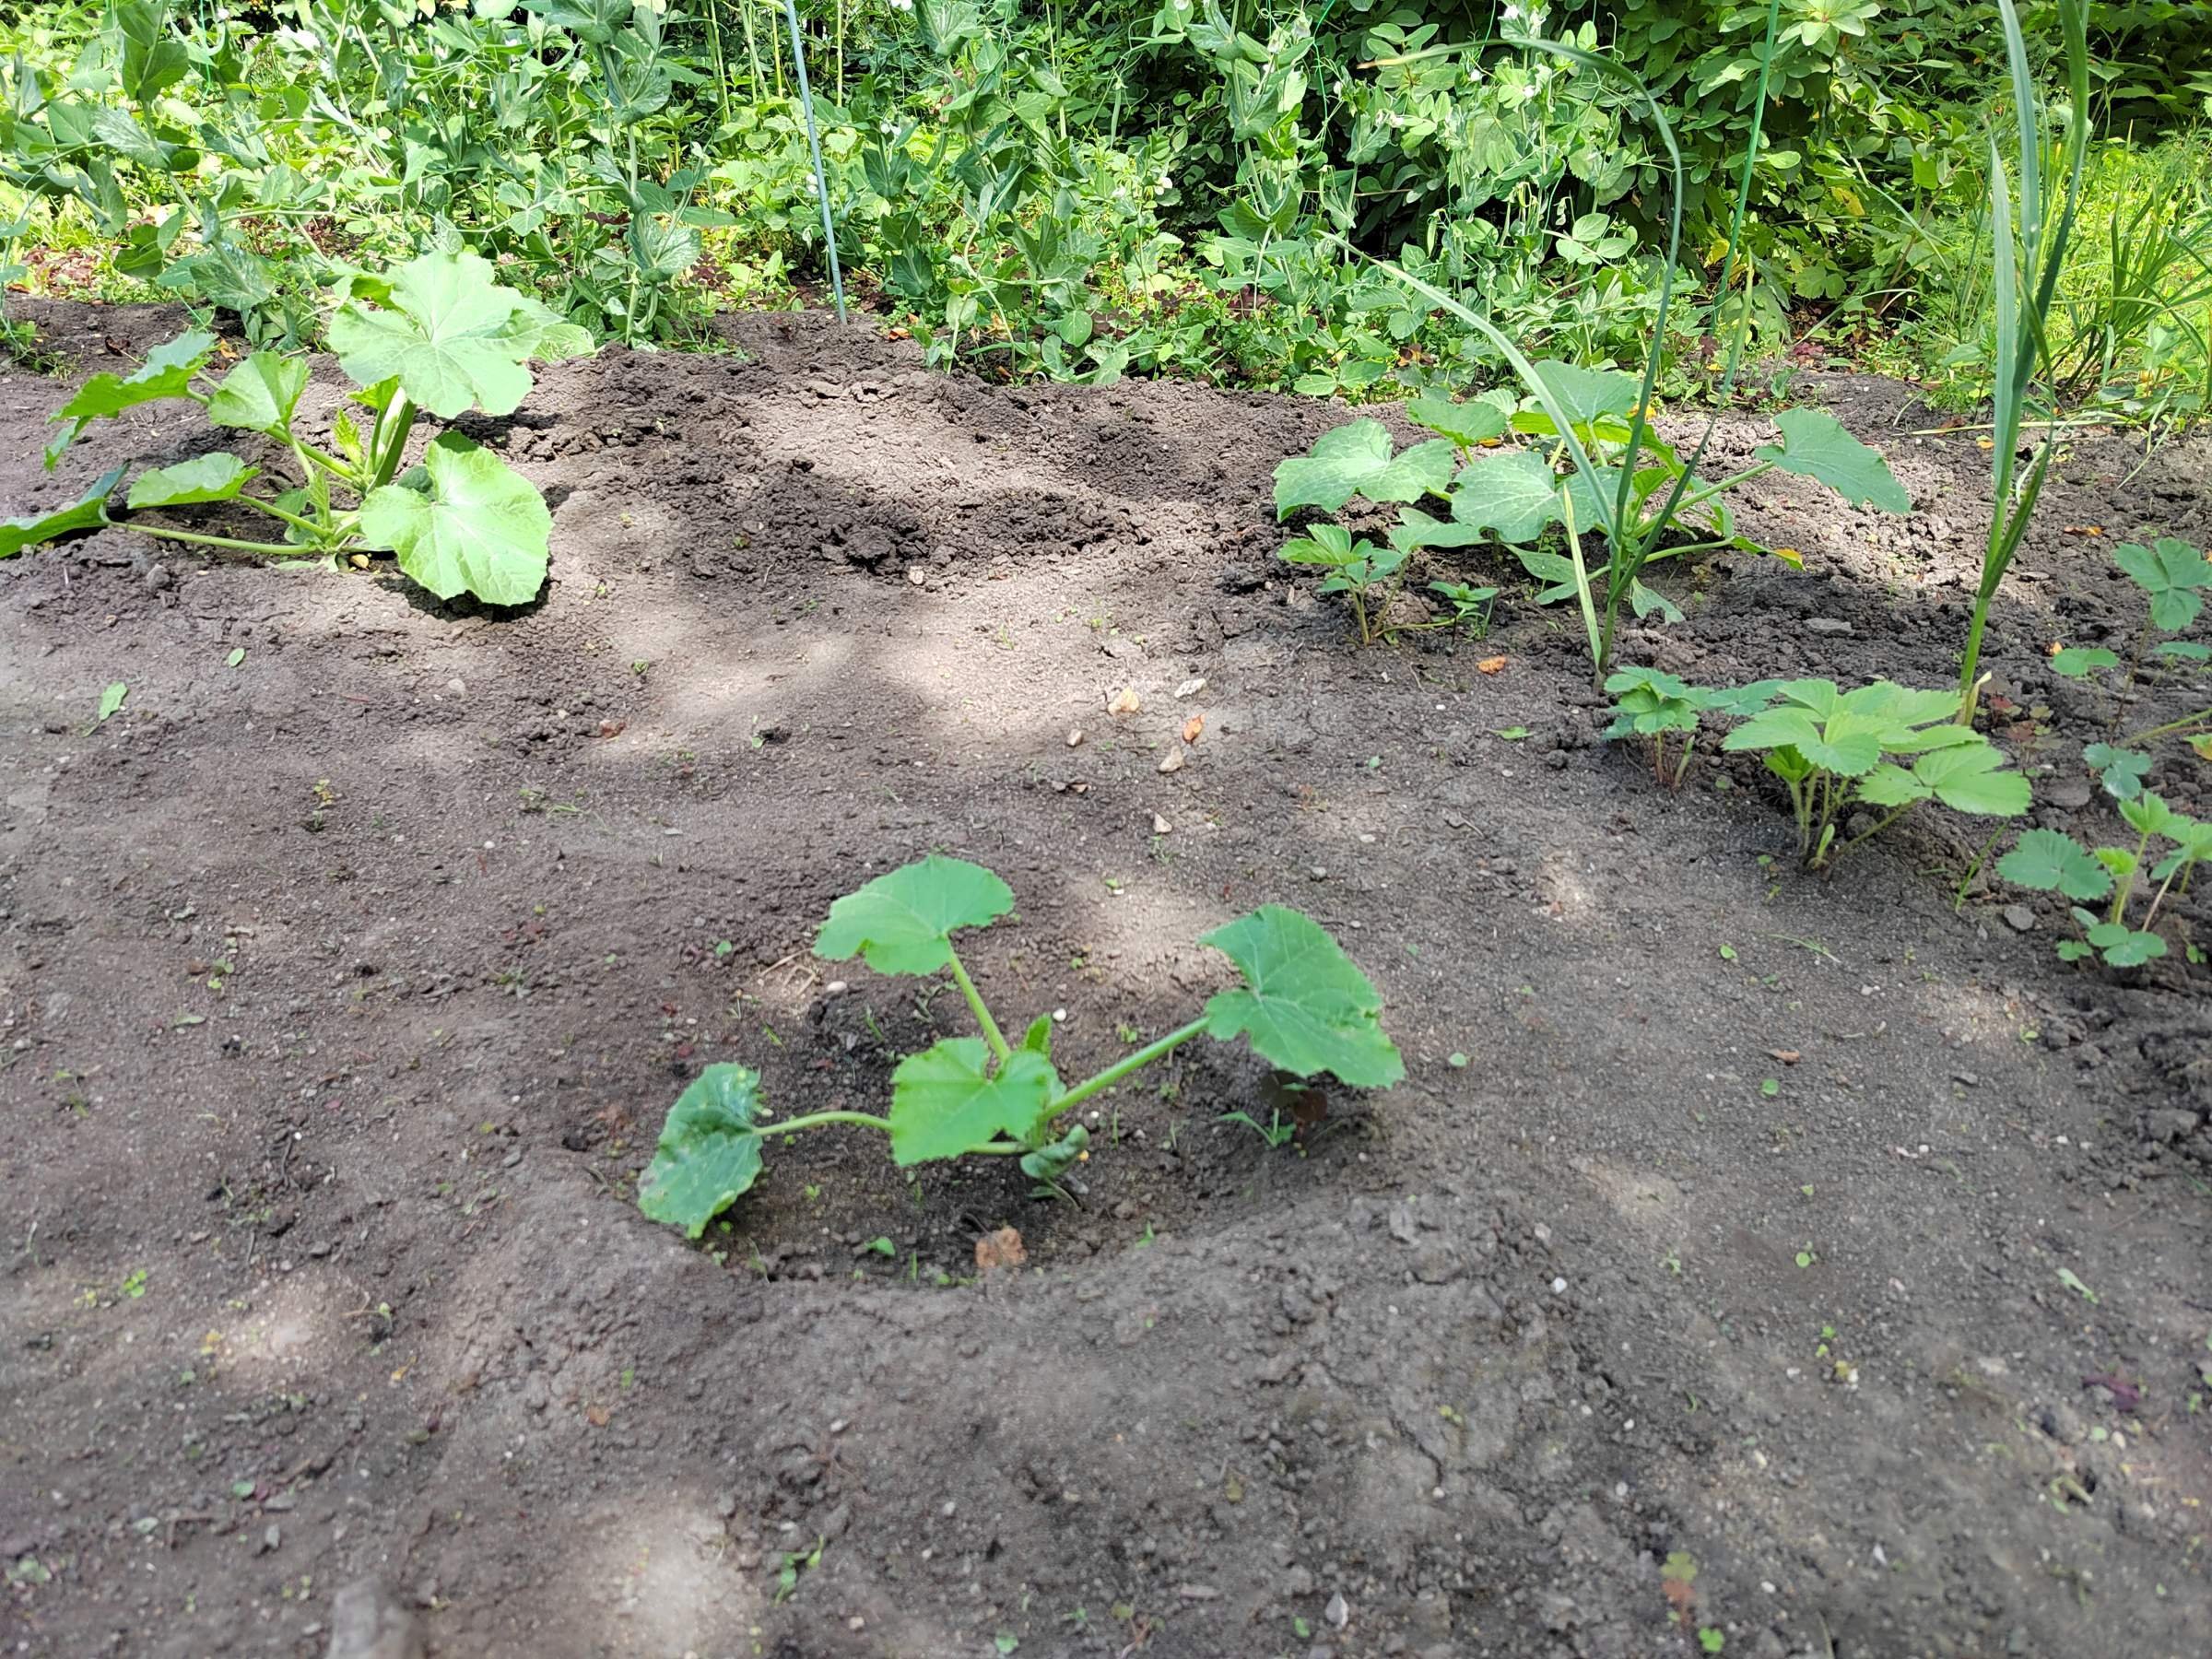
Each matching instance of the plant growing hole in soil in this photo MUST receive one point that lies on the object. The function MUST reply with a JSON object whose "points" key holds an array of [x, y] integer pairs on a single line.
{"points": [[1303, 1007], [2051, 861], [438, 333]]}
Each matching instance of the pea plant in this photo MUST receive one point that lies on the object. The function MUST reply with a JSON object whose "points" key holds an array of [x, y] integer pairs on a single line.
{"points": [[437, 335], [1829, 747], [1303, 1007], [2049, 861]]}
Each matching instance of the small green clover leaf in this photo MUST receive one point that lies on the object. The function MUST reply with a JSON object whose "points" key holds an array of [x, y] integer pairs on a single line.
{"points": [[1355, 460], [2170, 571], [2049, 861], [1814, 445], [1304, 1005], [708, 1152], [212, 477], [902, 921], [468, 523], [2122, 947], [946, 1101], [88, 511]]}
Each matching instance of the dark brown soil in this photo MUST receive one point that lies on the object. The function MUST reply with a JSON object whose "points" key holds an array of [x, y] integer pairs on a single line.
{"points": [[343, 990]]}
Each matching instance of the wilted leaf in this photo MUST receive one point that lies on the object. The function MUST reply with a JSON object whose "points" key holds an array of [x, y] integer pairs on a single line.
{"points": [[1000, 1249], [1495, 664], [167, 373], [88, 511], [1192, 727], [260, 395]]}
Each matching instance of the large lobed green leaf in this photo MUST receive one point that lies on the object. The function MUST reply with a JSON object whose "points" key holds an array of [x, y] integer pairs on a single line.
{"points": [[167, 373], [1514, 493], [1466, 424], [1304, 1005], [260, 395], [468, 523], [903, 921], [709, 1151], [1355, 460], [1814, 445], [945, 1100], [88, 511], [217, 477], [450, 335]]}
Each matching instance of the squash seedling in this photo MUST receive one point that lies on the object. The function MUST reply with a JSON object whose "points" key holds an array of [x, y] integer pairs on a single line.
{"points": [[2049, 861], [436, 333], [1828, 747], [1303, 1007]]}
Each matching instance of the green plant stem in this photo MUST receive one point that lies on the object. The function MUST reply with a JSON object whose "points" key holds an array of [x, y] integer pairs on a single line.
{"points": [[1124, 1067], [1870, 834], [275, 511], [229, 544], [2202, 717], [814, 1119], [390, 440], [1698, 496], [1600, 642], [992, 1034]]}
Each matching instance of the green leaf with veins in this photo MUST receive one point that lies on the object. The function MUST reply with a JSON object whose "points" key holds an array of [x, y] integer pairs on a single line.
{"points": [[1355, 460], [2194, 837], [1588, 395], [452, 336], [474, 526], [2122, 947], [1513, 493], [259, 394], [212, 477], [2170, 571], [2049, 861], [2150, 815], [1814, 445], [167, 373], [2121, 770], [945, 1101], [2182, 651], [1304, 1005], [88, 511], [226, 275], [1965, 777], [1466, 424], [1416, 530], [709, 1151], [903, 921]]}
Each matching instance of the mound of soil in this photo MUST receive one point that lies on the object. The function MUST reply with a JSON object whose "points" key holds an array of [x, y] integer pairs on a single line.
{"points": [[1752, 1262]]}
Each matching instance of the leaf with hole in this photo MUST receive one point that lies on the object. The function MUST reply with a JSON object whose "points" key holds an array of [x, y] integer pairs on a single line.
{"points": [[709, 1153], [470, 524], [1304, 1005], [903, 921]]}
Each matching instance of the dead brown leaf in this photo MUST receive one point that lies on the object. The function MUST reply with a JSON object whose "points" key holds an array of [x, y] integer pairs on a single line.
{"points": [[1001, 1249], [1787, 1056], [1491, 666], [1192, 727], [1125, 702]]}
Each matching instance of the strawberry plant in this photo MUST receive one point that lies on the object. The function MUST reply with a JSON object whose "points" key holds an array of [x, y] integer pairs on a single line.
{"points": [[1650, 703], [436, 334], [1303, 1007], [2049, 861], [2173, 576], [1828, 746]]}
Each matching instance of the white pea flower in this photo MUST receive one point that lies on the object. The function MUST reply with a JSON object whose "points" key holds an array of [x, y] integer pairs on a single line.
{"points": [[1528, 92]]}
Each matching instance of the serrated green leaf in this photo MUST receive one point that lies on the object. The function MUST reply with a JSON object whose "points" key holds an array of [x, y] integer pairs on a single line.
{"points": [[1814, 445], [1416, 530], [945, 1101], [2194, 837], [709, 1153], [167, 373], [259, 394], [2170, 571], [452, 336], [1304, 1006], [1466, 424], [2182, 650], [476, 527], [1588, 395], [217, 477], [2150, 815], [226, 275], [1891, 785], [903, 921], [1970, 778], [1513, 493], [2121, 770], [2078, 662], [2049, 861], [88, 511], [2123, 948], [1355, 460]]}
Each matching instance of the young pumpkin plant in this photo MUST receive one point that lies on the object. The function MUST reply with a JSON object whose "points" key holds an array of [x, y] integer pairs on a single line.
{"points": [[1303, 1007], [436, 334]]}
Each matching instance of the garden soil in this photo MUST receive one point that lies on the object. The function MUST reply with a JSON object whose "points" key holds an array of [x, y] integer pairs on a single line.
{"points": [[1752, 1261]]}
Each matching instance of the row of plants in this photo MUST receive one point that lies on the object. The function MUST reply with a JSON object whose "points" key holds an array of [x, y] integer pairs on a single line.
{"points": [[999, 186]]}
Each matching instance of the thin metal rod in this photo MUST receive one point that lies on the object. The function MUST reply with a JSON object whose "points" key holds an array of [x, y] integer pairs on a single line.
{"points": [[821, 180]]}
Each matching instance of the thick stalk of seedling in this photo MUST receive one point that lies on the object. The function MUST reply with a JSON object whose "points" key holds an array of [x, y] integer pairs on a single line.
{"points": [[992, 1034], [2187, 723]]}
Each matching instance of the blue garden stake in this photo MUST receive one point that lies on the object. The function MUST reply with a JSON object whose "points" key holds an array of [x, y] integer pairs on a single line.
{"points": [[821, 180]]}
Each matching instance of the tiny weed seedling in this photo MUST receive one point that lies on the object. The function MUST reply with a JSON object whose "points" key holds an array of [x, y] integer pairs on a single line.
{"points": [[1303, 1007], [2049, 861], [436, 333]]}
